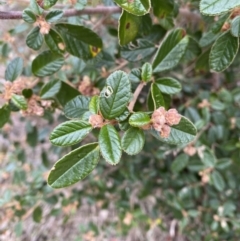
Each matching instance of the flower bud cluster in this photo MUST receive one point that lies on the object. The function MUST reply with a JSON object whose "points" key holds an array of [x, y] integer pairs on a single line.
{"points": [[43, 25], [162, 120], [86, 87], [15, 87], [33, 107], [190, 150], [96, 121], [205, 175]]}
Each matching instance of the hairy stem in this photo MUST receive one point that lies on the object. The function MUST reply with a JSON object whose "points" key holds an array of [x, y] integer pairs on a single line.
{"points": [[135, 96], [67, 13]]}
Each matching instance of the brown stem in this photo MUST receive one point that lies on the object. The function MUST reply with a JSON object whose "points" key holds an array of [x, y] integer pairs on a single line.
{"points": [[67, 13], [93, 10], [135, 96]]}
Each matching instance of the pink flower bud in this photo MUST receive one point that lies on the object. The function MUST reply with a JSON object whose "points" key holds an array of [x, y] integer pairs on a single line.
{"points": [[190, 150], [172, 117], [157, 126], [159, 112], [96, 121], [165, 132], [158, 116]]}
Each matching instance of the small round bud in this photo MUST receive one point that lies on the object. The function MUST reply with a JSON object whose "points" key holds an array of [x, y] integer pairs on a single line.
{"points": [[158, 118], [61, 46], [172, 117], [204, 104], [159, 112], [87, 88], [205, 178], [157, 125], [165, 131], [226, 26], [96, 121], [190, 150], [44, 27]]}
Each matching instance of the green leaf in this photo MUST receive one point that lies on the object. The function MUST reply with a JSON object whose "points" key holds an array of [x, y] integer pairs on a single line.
{"points": [[142, 49], [156, 34], [217, 26], [37, 214], [128, 27], [208, 38], [80, 41], [76, 107], [218, 181], [70, 133], [182, 133], [49, 3], [167, 21], [80, 4], [86, 116], [13, 107], [28, 16], [54, 16], [50, 89], [168, 85], [136, 7], [94, 105], [223, 163], [208, 158], [110, 145], [123, 116], [223, 52], [34, 39], [139, 119], [218, 105], [146, 72], [27, 93], [113, 104], [162, 7], [180, 163], [66, 93], [171, 51], [146, 25], [193, 50], [74, 166], [4, 115], [235, 27], [157, 96], [47, 63], [216, 7], [19, 101], [150, 102], [202, 62], [124, 125], [133, 141], [167, 100], [35, 7], [135, 75], [14, 69], [54, 41]]}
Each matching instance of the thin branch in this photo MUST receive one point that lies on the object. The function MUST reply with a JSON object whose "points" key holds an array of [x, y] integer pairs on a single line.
{"points": [[96, 10], [67, 13], [135, 96]]}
